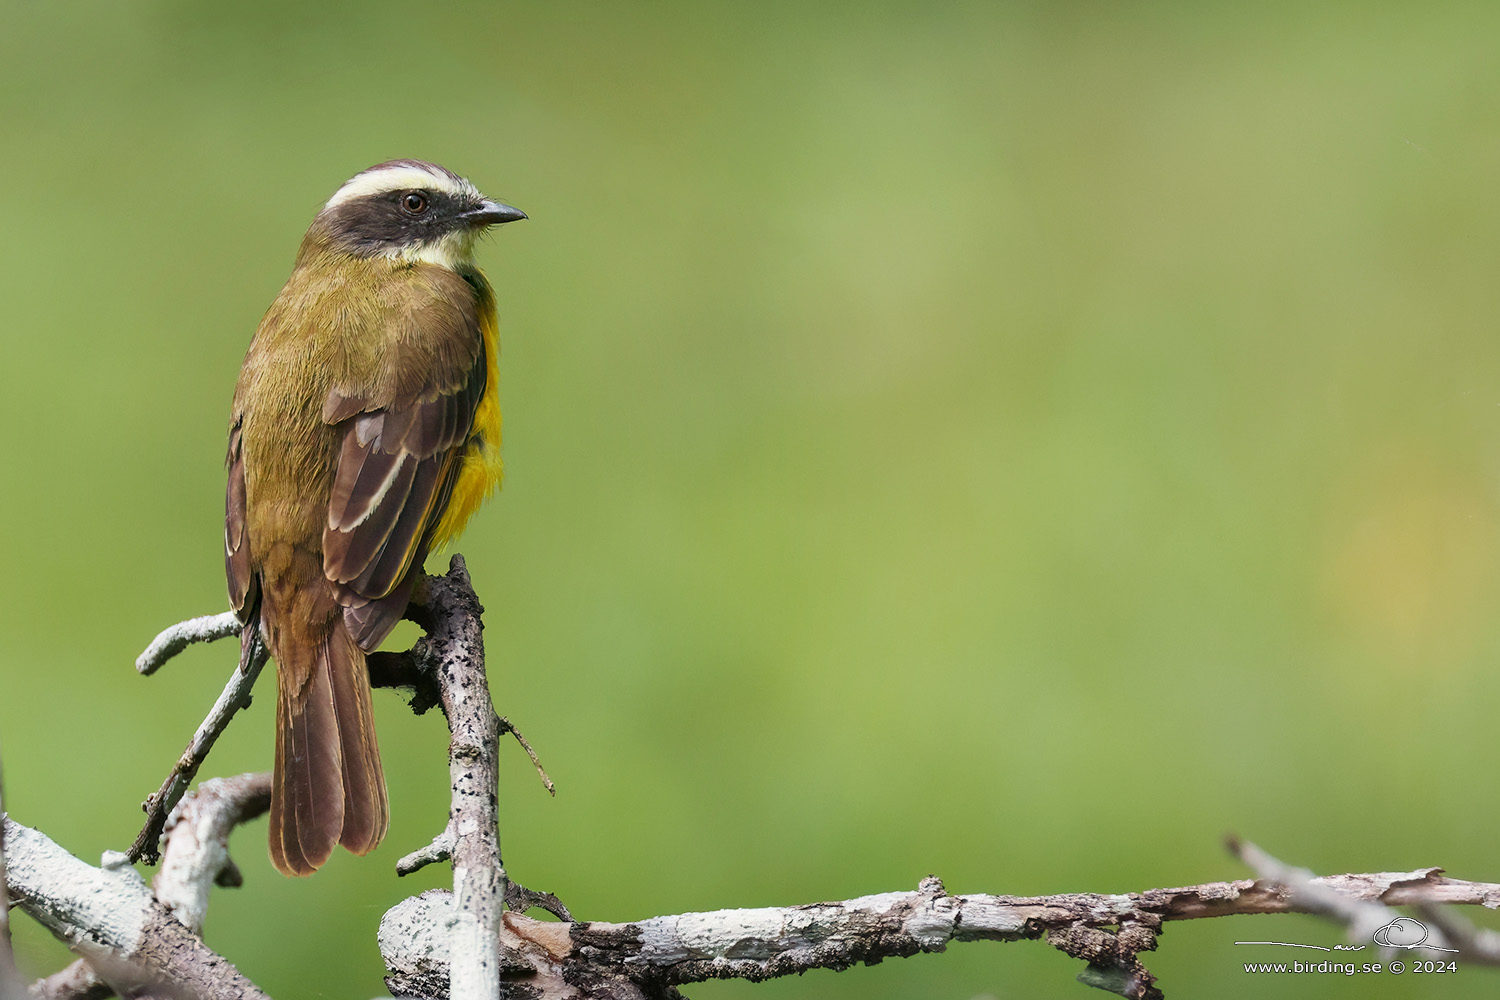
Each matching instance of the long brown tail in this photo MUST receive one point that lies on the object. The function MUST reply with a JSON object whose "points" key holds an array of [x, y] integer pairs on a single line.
{"points": [[328, 787]]}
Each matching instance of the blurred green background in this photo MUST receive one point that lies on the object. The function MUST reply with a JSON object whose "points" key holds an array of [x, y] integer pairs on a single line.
{"points": [[1014, 441]]}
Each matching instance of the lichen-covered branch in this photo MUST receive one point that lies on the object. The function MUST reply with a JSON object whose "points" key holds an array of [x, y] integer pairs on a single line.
{"points": [[111, 920], [451, 654], [196, 856], [649, 958]]}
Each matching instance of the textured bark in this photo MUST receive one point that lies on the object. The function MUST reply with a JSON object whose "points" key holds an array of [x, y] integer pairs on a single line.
{"points": [[452, 655], [649, 958], [110, 918], [196, 856]]}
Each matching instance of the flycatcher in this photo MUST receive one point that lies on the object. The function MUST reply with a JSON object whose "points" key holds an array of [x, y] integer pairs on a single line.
{"points": [[365, 431]]}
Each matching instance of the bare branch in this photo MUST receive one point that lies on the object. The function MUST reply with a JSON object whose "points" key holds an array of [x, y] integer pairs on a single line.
{"points": [[196, 856], [401, 670], [236, 695], [444, 945], [441, 849], [171, 641], [109, 917], [651, 956], [461, 945], [452, 655], [506, 726], [76, 982], [1476, 944], [519, 899]]}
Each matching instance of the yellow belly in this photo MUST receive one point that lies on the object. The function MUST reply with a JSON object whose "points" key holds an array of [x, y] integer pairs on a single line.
{"points": [[481, 469]]}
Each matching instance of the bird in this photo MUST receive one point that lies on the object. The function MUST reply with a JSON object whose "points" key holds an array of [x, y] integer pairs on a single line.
{"points": [[364, 432]]}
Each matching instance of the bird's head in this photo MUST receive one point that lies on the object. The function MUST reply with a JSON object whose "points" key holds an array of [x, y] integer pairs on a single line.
{"points": [[408, 211]]}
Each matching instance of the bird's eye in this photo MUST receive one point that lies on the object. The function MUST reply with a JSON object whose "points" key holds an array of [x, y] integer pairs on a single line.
{"points": [[414, 202]]}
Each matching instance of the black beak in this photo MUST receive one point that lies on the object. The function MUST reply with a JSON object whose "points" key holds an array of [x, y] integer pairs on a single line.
{"points": [[491, 213]]}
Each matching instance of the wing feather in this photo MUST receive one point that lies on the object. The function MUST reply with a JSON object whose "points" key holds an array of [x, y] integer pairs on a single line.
{"points": [[243, 586], [370, 621], [386, 568], [397, 461], [380, 493]]}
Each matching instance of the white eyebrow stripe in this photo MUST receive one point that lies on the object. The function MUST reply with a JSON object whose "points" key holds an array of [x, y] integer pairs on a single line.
{"points": [[399, 179]]}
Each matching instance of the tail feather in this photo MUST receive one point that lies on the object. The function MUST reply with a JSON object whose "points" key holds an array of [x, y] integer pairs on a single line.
{"points": [[366, 813], [328, 786]]}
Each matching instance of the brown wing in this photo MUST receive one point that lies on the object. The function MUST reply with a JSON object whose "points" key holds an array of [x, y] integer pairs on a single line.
{"points": [[396, 466], [244, 588]]}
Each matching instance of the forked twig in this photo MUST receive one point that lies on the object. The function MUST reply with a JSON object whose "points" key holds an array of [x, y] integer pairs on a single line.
{"points": [[195, 858], [235, 696]]}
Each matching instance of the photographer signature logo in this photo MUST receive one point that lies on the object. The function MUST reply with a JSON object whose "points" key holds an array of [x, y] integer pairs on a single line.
{"points": [[1403, 932]]}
